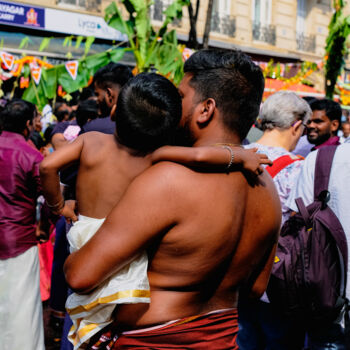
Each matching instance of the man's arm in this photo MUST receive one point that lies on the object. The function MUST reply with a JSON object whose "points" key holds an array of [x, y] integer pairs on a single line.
{"points": [[49, 169], [58, 141], [147, 210], [260, 284]]}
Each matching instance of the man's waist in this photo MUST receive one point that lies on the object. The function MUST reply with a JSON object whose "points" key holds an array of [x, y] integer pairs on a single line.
{"points": [[182, 321], [15, 240], [167, 305]]}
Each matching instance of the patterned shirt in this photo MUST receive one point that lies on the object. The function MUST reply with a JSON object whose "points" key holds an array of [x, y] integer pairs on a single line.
{"points": [[286, 179]]}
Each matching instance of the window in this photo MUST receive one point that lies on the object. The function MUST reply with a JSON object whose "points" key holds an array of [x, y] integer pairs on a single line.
{"points": [[301, 15], [89, 5], [157, 9], [262, 12], [262, 29], [221, 20], [222, 7]]}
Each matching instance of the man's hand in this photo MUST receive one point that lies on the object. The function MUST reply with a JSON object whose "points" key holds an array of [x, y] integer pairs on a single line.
{"points": [[253, 161], [68, 211], [41, 232]]}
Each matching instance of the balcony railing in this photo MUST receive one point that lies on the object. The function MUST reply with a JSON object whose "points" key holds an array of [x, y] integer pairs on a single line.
{"points": [[306, 43], [157, 9], [265, 33], [89, 5], [223, 24]]}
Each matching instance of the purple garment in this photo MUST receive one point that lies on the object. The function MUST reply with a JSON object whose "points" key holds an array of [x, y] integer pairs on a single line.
{"points": [[104, 125], [62, 126], [332, 141], [19, 188], [303, 147]]}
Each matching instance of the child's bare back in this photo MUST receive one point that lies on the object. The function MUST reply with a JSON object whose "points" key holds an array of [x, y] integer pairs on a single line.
{"points": [[106, 169]]}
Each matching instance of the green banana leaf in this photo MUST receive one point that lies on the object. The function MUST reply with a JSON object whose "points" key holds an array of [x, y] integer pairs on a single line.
{"points": [[49, 77], [116, 55], [68, 84], [35, 94]]}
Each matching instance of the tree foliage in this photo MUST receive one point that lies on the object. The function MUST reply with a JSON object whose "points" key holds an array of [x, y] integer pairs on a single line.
{"points": [[336, 46], [153, 49]]}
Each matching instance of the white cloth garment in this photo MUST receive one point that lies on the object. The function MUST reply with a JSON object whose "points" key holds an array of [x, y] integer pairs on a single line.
{"points": [[338, 188], [92, 312], [21, 317]]}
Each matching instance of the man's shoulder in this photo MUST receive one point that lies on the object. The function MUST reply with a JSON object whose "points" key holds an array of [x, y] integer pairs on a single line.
{"points": [[167, 177], [169, 171]]}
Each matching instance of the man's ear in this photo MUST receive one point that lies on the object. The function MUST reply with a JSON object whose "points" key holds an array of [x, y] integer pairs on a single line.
{"points": [[110, 95], [334, 126], [296, 126], [113, 112], [207, 111]]}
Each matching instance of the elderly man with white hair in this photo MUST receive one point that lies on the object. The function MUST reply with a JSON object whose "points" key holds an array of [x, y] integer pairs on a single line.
{"points": [[283, 118]]}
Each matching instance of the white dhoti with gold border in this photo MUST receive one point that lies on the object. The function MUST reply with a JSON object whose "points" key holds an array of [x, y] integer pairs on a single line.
{"points": [[92, 312]]}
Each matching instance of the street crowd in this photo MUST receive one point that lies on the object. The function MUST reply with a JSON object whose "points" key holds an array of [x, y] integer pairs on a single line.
{"points": [[148, 216]]}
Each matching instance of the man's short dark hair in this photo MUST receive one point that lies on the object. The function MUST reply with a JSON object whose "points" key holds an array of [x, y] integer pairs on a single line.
{"points": [[148, 112], [233, 81], [112, 74], [16, 114], [332, 109]]}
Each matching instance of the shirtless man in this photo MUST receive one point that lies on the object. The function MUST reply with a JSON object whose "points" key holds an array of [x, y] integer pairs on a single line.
{"points": [[207, 234], [148, 112]]}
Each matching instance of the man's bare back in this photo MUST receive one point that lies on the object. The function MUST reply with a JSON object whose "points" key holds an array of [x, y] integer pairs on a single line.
{"points": [[209, 223]]}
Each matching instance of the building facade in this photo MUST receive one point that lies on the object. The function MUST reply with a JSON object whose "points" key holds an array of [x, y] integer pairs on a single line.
{"points": [[282, 30]]}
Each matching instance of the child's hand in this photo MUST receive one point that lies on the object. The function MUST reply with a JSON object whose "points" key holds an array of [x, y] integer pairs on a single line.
{"points": [[68, 211], [253, 161]]}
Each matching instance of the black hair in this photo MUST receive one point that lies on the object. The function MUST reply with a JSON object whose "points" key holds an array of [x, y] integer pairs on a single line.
{"points": [[60, 111], [235, 83], [112, 74], [87, 110], [16, 114], [48, 133], [332, 109], [309, 99], [148, 112], [87, 93]]}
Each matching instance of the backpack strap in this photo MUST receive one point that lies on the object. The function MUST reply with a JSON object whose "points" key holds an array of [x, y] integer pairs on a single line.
{"points": [[323, 169], [322, 174], [280, 163]]}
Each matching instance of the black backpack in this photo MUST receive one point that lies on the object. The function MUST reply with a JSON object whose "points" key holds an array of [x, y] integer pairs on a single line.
{"points": [[308, 279]]}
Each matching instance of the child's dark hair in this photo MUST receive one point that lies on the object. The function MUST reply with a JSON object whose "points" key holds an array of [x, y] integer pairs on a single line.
{"points": [[148, 112]]}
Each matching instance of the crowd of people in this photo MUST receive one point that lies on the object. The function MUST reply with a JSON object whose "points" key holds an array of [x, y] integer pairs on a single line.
{"points": [[162, 227]]}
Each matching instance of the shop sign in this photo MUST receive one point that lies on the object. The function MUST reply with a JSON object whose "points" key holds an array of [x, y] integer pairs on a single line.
{"points": [[80, 24], [16, 14]]}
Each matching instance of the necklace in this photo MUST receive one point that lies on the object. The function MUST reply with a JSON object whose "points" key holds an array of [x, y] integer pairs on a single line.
{"points": [[227, 144]]}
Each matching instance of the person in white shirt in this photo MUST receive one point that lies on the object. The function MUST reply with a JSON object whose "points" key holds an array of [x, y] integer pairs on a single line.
{"points": [[331, 336], [345, 132]]}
